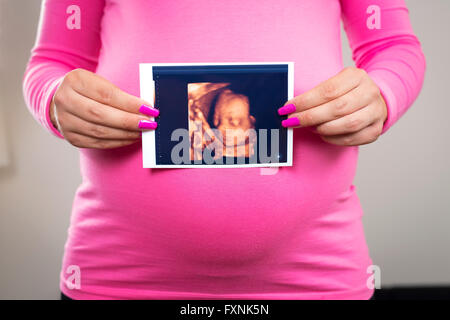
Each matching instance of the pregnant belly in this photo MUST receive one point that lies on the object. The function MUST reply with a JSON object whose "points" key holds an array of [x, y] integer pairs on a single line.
{"points": [[202, 223], [234, 224], [226, 215]]}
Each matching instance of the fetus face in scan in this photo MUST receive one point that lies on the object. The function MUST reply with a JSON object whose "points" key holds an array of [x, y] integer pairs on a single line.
{"points": [[232, 117]]}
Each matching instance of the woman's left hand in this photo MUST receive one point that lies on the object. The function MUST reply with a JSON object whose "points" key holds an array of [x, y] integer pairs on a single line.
{"points": [[347, 109]]}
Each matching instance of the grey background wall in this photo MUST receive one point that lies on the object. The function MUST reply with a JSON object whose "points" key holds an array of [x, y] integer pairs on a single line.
{"points": [[403, 179]]}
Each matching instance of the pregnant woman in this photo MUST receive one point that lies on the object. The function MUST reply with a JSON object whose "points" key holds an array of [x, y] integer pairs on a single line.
{"points": [[231, 233]]}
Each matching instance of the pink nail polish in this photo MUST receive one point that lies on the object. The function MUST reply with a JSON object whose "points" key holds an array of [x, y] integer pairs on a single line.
{"points": [[286, 109], [290, 122], [146, 124], [149, 111]]}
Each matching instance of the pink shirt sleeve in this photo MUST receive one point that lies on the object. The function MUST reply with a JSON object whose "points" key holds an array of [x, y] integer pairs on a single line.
{"points": [[387, 49], [59, 49]]}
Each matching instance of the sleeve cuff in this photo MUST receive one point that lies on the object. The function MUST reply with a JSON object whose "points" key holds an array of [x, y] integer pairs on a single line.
{"points": [[48, 121], [389, 98]]}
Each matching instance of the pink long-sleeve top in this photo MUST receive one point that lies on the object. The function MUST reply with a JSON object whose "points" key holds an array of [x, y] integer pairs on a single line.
{"points": [[221, 233]]}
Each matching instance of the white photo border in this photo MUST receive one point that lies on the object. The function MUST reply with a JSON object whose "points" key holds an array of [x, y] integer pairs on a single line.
{"points": [[147, 91]]}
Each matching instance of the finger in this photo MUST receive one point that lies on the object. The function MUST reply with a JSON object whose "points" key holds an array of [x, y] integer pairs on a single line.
{"points": [[367, 135], [99, 113], [78, 125], [354, 122], [336, 86], [82, 141], [354, 100], [99, 89]]}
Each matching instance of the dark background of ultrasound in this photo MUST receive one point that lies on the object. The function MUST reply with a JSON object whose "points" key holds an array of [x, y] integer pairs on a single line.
{"points": [[267, 91]]}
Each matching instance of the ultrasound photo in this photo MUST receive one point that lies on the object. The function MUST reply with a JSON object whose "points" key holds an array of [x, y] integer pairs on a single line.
{"points": [[217, 114]]}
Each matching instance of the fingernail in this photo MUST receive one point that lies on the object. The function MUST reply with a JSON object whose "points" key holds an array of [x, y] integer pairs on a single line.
{"points": [[290, 122], [286, 109], [149, 111], [146, 124]]}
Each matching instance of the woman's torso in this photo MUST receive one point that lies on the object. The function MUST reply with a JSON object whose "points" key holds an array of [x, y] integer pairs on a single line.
{"points": [[178, 233]]}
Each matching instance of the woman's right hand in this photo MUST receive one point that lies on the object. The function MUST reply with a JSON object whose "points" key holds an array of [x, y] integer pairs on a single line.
{"points": [[91, 112]]}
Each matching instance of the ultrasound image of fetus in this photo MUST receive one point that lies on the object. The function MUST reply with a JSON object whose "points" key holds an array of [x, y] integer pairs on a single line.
{"points": [[231, 118]]}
